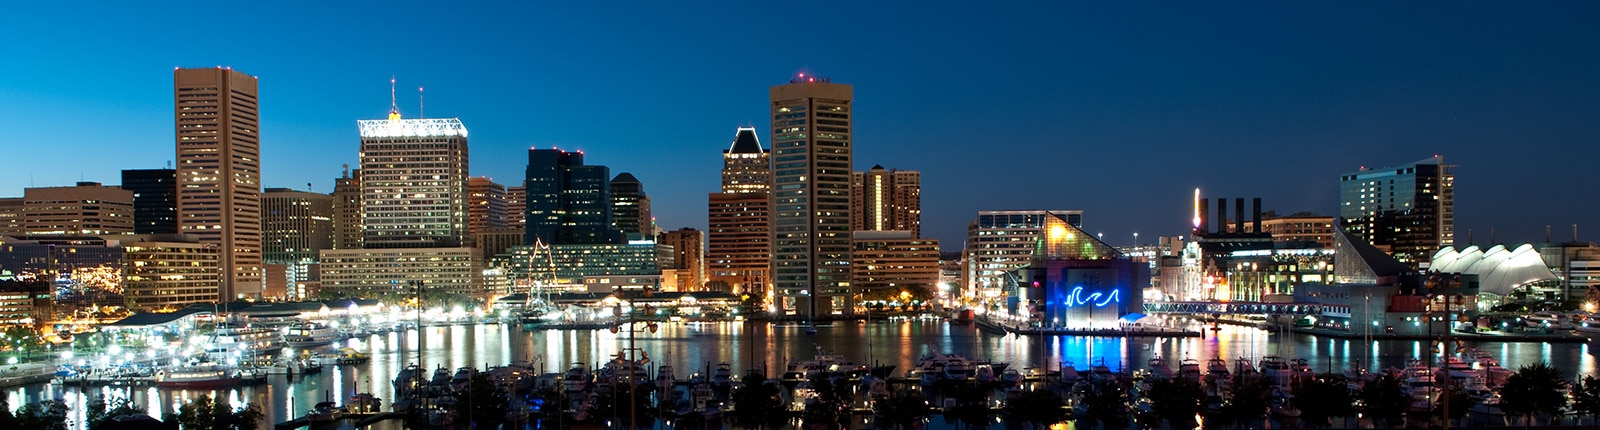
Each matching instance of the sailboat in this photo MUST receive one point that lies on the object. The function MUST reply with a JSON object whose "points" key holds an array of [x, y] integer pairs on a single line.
{"points": [[539, 309]]}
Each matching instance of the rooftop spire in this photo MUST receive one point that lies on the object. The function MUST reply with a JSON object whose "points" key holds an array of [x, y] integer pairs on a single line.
{"points": [[394, 108]]}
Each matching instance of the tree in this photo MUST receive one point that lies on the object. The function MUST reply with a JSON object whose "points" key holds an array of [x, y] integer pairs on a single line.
{"points": [[1534, 389], [1384, 399], [1248, 401], [1176, 400], [832, 403], [1586, 398], [1323, 398], [100, 411], [972, 408], [45, 415], [901, 408], [757, 404], [203, 413], [1039, 408], [482, 402]]}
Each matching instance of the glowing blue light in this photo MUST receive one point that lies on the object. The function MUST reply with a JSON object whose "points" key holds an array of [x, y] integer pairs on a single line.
{"points": [[1098, 299]]}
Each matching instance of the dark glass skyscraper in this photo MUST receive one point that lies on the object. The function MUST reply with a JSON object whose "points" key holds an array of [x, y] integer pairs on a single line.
{"points": [[155, 200], [630, 207], [1407, 210], [568, 202]]}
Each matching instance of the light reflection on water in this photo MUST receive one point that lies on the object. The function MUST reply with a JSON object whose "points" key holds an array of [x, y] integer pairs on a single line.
{"points": [[699, 347]]}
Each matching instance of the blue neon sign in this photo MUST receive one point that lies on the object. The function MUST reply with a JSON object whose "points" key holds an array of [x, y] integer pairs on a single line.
{"points": [[1097, 299]]}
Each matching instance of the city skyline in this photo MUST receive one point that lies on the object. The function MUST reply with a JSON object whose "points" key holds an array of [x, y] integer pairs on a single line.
{"points": [[1126, 120]]}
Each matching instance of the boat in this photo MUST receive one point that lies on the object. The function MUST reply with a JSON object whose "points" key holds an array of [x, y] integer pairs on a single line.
{"points": [[664, 378], [1300, 369], [1011, 378], [1217, 369], [1455, 367], [577, 378], [984, 373], [1588, 324], [1160, 368], [1547, 319], [938, 367], [349, 356], [1189, 368], [309, 335], [240, 343], [207, 376], [1243, 368], [1275, 369], [722, 378]]}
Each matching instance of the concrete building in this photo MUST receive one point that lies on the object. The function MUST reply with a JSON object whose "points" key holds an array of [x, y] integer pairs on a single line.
{"points": [[568, 202], [1298, 227], [374, 273], [630, 207], [486, 204], [85, 209], [1577, 264], [155, 200], [884, 262], [495, 241], [295, 225], [347, 210], [517, 207], [219, 170], [571, 263], [739, 219], [413, 182], [1407, 210], [167, 272], [999, 242], [688, 258], [811, 141], [11, 215], [28, 304], [884, 200], [1078, 293]]}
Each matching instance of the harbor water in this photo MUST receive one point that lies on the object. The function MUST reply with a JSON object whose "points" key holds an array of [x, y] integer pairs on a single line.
{"points": [[693, 347]]}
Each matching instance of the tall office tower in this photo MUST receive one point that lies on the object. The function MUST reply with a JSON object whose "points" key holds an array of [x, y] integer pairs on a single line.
{"points": [[811, 197], [739, 237], [688, 260], [219, 170], [516, 206], [568, 202], [295, 225], [1407, 210], [347, 210], [155, 200], [630, 207], [486, 204], [86, 209], [886, 200], [413, 182], [746, 167]]}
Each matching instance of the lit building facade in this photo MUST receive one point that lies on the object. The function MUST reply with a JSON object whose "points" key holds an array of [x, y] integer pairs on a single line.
{"points": [[1078, 293], [688, 258], [568, 202], [167, 272], [1299, 227], [566, 265], [811, 146], [155, 200], [739, 219], [413, 182], [295, 225], [373, 273], [86, 209], [884, 200], [885, 262], [1408, 210], [517, 206], [219, 170], [347, 210], [486, 203], [630, 207], [999, 242], [11, 215]]}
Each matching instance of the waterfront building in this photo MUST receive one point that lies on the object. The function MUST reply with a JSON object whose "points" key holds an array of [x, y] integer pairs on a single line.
{"points": [[568, 202], [166, 272], [999, 242], [486, 205], [630, 207], [688, 259], [566, 265], [517, 206], [886, 263], [374, 273], [56, 256], [1407, 210], [1298, 227], [1078, 293], [219, 170], [347, 210], [811, 145], [739, 220], [413, 182], [29, 304], [155, 200], [295, 225], [11, 215], [885, 200], [1501, 272], [85, 209], [1577, 264], [1373, 292]]}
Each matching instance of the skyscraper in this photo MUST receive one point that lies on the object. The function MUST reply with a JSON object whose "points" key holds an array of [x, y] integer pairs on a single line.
{"points": [[739, 237], [811, 181], [1407, 210], [517, 206], [568, 202], [219, 170], [155, 200], [295, 225], [486, 203], [886, 200], [687, 257], [347, 210], [630, 207], [413, 182]]}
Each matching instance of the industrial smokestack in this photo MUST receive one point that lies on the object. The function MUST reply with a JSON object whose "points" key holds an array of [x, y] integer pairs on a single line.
{"points": [[1222, 215], [1256, 212], [1205, 218], [1238, 215]]}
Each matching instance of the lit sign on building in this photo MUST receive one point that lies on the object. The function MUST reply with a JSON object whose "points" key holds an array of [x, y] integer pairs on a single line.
{"points": [[1098, 299]]}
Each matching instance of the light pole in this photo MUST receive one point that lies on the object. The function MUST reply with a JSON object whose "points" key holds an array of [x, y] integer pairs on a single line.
{"points": [[633, 361]]}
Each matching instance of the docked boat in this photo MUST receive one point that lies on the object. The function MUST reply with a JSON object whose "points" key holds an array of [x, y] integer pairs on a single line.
{"points": [[577, 378], [243, 342], [722, 378], [937, 367], [1275, 369], [1547, 319], [197, 377], [1217, 369], [349, 356], [1189, 368], [1588, 324], [309, 335], [1160, 368]]}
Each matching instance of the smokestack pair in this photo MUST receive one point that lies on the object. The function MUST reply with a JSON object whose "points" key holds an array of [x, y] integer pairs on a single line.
{"points": [[1222, 216]]}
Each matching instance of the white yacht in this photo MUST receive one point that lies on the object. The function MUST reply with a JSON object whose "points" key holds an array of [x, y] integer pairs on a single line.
{"points": [[307, 335], [245, 342]]}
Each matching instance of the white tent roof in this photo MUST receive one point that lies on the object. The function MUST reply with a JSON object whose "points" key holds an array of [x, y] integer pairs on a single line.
{"points": [[1499, 270]]}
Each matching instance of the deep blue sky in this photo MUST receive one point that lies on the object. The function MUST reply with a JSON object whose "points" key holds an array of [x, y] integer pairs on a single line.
{"points": [[1119, 110]]}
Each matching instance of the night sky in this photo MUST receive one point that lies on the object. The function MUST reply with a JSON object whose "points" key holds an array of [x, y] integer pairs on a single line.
{"points": [[1118, 110]]}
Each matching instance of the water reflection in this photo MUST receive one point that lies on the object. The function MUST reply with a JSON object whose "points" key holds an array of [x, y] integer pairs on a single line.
{"points": [[699, 347]]}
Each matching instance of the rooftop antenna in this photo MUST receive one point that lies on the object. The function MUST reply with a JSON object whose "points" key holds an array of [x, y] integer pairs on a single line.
{"points": [[308, 186], [394, 109], [1574, 232], [346, 171], [1547, 233], [420, 111], [1491, 236], [169, 164]]}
